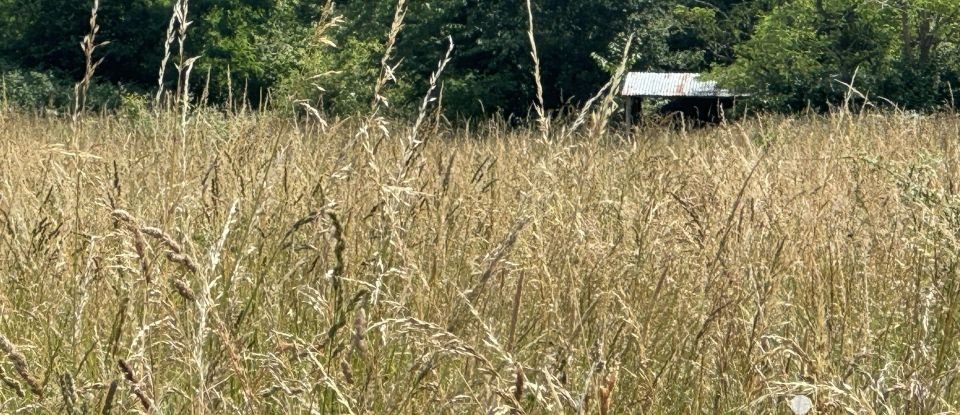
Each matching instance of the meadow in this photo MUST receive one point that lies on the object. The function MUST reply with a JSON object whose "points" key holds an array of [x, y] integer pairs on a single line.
{"points": [[258, 263]]}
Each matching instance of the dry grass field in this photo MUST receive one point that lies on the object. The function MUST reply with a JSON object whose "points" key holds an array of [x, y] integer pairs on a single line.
{"points": [[252, 265]]}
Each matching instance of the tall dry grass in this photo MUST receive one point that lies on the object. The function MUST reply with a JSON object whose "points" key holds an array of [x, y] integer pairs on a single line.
{"points": [[261, 267], [88, 46]]}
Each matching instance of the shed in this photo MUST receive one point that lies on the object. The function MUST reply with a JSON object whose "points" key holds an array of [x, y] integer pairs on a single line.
{"points": [[686, 87]]}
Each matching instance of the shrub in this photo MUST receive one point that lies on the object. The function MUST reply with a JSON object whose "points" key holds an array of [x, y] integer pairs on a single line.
{"points": [[28, 89]]}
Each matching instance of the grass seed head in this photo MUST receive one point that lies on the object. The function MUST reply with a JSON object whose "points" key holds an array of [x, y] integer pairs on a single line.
{"points": [[127, 371], [123, 216], [68, 391], [163, 237], [359, 340], [347, 371], [181, 287], [518, 383], [183, 260], [20, 365], [605, 393], [11, 383]]}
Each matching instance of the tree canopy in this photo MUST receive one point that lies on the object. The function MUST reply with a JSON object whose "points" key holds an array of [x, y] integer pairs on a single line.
{"points": [[789, 55]]}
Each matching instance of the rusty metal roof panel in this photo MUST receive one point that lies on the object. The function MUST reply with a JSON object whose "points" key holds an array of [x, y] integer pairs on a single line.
{"points": [[653, 84]]}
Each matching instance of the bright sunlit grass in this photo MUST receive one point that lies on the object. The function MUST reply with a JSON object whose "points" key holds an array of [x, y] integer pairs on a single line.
{"points": [[259, 266]]}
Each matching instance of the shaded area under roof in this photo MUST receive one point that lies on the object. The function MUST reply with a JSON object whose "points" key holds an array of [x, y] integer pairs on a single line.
{"points": [[654, 84]]}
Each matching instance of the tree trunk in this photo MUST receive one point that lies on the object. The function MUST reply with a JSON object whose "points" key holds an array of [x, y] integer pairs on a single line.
{"points": [[906, 34], [926, 38]]}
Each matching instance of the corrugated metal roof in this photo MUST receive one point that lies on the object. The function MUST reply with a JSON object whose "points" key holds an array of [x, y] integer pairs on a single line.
{"points": [[653, 84]]}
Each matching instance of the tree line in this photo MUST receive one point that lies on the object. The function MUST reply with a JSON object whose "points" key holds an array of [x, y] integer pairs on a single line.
{"points": [[788, 55]]}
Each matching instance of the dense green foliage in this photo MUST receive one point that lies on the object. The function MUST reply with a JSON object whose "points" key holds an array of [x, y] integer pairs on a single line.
{"points": [[788, 54], [807, 53]]}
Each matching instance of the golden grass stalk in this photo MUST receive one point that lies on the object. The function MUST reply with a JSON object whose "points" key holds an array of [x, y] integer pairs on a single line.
{"points": [[542, 120], [139, 243], [11, 383], [518, 385], [515, 314], [491, 262], [175, 253], [229, 91], [181, 288], [126, 371], [123, 216], [168, 40], [140, 246], [4, 97], [185, 69], [495, 257], [89, 45], [181, 10], [327, 23], [605, 394], [108, 399], [205, 94], [183, 260], [387, 70], [134, 384], [68, 392], [415, 143], [163, 237], [359, 338], [346, 371], [608, 106], [19, 363]]}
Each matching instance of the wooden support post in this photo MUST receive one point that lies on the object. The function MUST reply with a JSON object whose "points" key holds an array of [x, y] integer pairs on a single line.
{"points": [[629, 110]]}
